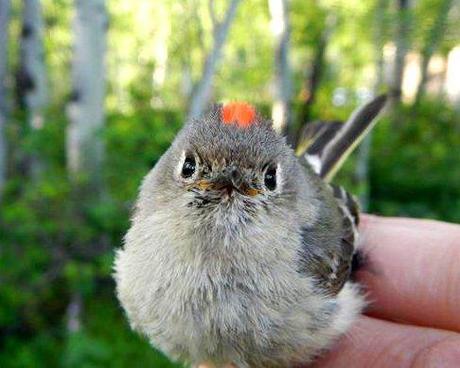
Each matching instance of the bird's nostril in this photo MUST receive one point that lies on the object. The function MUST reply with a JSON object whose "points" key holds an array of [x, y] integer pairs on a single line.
{"points": [[229, 190], [234, 173]]}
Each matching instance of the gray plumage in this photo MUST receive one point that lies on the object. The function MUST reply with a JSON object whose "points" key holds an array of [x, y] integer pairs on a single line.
{"points": [[225, 267]]}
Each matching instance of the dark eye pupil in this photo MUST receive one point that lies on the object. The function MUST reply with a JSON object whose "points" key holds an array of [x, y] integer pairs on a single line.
{"points": [[270, 179], [189, 167]]}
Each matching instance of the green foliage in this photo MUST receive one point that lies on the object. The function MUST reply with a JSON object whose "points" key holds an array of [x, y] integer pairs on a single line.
{"points": [[134, 143], [56, 241], [415, 167], [105, 341]]}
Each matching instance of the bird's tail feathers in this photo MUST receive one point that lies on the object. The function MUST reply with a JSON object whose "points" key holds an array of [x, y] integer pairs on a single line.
{"points": [[325, 146]]}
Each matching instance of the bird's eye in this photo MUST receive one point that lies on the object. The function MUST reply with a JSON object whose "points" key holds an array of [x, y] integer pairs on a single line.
{"points": [[270, 178], [189, 167]]}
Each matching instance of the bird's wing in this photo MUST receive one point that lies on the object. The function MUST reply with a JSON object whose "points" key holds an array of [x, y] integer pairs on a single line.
{"points": [[349, 210], [332, 263], [325, 146]]}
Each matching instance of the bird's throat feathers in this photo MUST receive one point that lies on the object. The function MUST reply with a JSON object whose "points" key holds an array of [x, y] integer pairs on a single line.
{"points": [[228, 213]]}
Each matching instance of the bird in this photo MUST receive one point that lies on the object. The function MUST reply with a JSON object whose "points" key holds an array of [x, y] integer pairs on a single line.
{"points": [[240, 250]]}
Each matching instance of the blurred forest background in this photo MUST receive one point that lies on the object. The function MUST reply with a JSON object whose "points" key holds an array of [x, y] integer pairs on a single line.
{"points": [[92, 92]]}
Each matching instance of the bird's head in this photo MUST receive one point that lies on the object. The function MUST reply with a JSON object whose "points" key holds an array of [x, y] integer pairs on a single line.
{"points": [[228, 166]]}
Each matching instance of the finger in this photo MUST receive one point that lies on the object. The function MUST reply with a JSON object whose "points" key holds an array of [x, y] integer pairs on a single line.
{"points": [[383, 344], [414, 272]]}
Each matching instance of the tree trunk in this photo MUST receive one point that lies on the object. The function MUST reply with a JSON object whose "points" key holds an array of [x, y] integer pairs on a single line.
{"points": [[281, 113], [84, 145], [364, 150], [32, 67], [161, 55], [432, 42], [74, 311], [314, 77], [31, 76], [4, 22], [381, 26], [202, 91], [451, 86], [402, 46]]}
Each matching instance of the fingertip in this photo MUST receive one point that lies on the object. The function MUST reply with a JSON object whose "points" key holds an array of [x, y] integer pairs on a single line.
{"points": [[444, 353], [413, 270], [373, 342]]}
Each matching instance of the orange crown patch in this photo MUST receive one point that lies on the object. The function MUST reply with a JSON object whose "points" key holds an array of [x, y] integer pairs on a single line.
{"points": [[240, 113]]}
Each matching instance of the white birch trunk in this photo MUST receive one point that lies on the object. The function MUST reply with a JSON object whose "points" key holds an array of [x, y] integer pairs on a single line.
{"points": [[451, 85], [282, 83], [32, 62], [161, 55], [4, 22], [84, 145], [32, 74], [74, 311], [202, 92], [402, 46], [364, 150]]}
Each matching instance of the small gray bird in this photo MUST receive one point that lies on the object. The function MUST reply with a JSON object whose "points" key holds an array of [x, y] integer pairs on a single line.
{"points": [[239, 251]]}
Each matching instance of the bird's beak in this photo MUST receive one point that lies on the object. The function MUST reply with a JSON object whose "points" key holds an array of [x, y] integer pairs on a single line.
{"points": [[228, 180]]}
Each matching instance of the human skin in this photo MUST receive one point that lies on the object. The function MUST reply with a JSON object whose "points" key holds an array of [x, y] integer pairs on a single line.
{"points": [[412, 281]]}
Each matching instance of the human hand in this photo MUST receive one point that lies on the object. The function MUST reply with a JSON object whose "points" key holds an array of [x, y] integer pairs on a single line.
{"points": [[413, 284], [412, 280]]}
